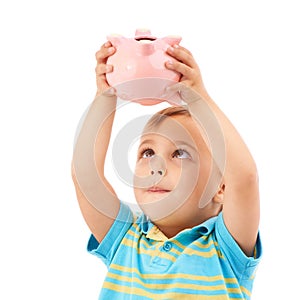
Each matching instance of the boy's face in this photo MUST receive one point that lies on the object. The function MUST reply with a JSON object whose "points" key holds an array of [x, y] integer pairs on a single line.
{"points": [[172, 170]]}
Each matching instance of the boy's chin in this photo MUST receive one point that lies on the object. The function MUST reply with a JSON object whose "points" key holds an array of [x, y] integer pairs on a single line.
{"points": [[152, 198], [157, 209], [170, 224]]}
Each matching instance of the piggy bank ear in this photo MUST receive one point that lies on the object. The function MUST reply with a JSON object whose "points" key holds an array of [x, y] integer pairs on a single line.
{"points": [[115, 39], [172, 39]]}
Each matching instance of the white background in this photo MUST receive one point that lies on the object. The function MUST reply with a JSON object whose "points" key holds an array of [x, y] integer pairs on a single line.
{"points": [[248, 52]]}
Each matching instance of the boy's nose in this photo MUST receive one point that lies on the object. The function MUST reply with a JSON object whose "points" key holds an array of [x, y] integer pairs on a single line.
{"points": [[157, 166], [160, 172]]}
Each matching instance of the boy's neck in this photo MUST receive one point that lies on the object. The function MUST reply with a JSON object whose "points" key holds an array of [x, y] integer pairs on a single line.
{"points": [[172, 230]]}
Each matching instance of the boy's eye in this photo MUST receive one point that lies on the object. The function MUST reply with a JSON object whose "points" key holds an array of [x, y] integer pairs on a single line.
{"points": [[147, 153], [182, 154]]}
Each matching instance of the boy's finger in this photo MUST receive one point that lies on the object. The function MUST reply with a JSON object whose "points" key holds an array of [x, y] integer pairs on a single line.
{"points": [[182, 55], [179, 67], [101, 82], [183, 49], [107, 44], [103, 68], [104, 53]]}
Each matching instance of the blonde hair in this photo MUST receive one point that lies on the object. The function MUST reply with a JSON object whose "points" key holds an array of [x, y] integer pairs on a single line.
{"points": [[163, 114], [173, 111]]}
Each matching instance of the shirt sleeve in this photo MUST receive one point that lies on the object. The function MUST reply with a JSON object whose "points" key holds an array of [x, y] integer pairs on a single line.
{"points": [[109, 245], [243, 266]]}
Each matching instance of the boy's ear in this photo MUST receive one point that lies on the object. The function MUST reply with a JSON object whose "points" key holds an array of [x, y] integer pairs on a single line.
{"points": [[219, 196]]}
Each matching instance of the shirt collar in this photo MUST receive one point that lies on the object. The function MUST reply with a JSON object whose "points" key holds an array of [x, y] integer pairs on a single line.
{"points": [[145, 224], [148, 228]]}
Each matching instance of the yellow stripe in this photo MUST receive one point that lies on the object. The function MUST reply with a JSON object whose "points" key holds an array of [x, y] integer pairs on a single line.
{"points": [[166, 255], [122, 278], [172, 276], [245, 291], [170, 295], [133, 243], [134, 234], [150, 251], [255, 252], [174, 285], [205, 246], [196, 243]]}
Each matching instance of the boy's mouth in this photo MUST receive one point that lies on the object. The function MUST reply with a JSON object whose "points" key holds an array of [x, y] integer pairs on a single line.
{"points": [[157, 189]]}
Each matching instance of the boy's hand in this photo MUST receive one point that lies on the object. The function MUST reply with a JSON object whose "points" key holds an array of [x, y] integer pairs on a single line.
{"points": [[102, 68], [186, 65]]}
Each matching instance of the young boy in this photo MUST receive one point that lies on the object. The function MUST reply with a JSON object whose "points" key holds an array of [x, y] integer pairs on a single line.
{"points": [[198, 235]]}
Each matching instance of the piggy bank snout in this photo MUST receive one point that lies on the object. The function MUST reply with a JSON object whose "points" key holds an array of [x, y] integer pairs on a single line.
{"points": [[144, 47]]}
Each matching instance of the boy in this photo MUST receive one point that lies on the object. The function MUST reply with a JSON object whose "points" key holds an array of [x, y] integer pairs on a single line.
{"points": [[198, 235]]}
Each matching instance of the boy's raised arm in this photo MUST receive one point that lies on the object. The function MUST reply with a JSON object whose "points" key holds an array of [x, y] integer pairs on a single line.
{"points": [[241, 200], [241, 197], [97, 199]]}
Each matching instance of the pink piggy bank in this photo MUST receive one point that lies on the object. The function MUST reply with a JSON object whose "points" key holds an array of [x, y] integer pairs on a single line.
{"points": [[139, 73]]}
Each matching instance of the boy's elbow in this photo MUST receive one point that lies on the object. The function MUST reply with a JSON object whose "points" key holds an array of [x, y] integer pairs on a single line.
{"points": [[250, 179], [251, 174], [247, 177]]}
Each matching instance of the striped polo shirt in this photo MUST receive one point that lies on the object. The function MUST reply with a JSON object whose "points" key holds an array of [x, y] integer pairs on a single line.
{"points": [[203, 262]]}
